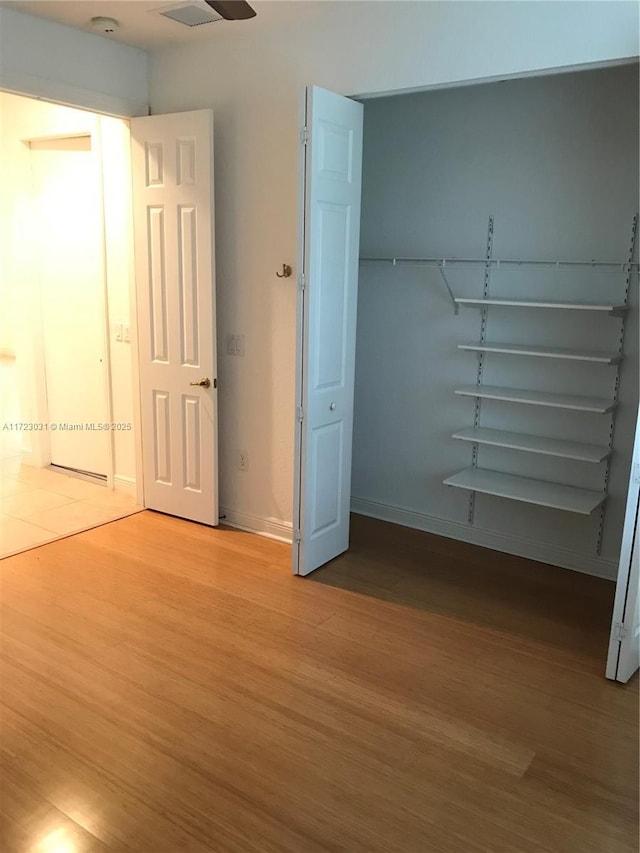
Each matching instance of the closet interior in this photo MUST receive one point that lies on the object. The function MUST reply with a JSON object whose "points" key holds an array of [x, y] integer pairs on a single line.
{"points": [[497, 347]]}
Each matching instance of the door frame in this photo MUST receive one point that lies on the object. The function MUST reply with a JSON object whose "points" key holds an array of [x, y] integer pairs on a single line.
{"points": [[300, 372], [41, 452]]}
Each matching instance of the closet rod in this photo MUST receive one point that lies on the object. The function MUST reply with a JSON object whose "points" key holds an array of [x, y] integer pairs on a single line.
{"points": [[621, 266]]}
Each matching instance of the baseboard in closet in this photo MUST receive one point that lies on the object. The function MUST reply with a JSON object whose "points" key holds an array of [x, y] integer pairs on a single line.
{"points": [[520, 547]]}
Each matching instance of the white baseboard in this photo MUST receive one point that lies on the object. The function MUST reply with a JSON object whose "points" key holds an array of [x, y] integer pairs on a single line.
{"points": [[126, 485], [272, 528], [555, 555], [520, 547]]}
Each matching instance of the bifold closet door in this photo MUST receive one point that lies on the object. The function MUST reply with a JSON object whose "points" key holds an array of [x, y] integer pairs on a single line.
{"points": [[329, 236], [624, 646]]}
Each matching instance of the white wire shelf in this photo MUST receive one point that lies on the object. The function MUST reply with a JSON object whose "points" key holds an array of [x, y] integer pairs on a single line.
{"points": [[540, 492], [534, 444], [537, 263], [442, 264], [545, 352], [538, 398], [606, 307]]}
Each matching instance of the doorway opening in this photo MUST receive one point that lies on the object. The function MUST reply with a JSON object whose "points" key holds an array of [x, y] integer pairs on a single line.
{"points": [[69, 454]]}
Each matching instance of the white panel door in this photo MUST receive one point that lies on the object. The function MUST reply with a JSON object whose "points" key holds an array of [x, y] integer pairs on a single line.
{"points": [[331, 177], [69, 240], [172, 165], [624, 646]]}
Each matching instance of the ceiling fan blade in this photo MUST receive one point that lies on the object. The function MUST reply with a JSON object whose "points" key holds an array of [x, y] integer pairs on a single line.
{"points": [[232, 10]]}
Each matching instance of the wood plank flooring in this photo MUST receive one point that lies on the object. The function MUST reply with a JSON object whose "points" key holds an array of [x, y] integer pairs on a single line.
{"points": [[168, 688]]}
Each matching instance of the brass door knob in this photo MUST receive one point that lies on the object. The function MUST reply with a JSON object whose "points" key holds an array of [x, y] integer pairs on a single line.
{"points": [[203, 383]]}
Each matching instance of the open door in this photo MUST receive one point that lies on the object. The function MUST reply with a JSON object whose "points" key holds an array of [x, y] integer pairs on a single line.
{"points": [[172, 166], [624, 646], [329, 237]]}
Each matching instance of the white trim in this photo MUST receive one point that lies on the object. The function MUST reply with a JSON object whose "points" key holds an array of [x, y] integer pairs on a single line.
{"points": [[550, 71], [19, 83], [98, 158], [556, 555], [272, 528], [134, 330], [301, 302], [125, 485]]}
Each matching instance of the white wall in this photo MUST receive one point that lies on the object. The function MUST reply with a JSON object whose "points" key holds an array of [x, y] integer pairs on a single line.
{"points": [[252, 78], [44, 59], [555, 159], [25, 119]]}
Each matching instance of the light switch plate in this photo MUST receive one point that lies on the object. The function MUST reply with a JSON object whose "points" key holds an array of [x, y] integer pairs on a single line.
{"points": [[235, 345]]}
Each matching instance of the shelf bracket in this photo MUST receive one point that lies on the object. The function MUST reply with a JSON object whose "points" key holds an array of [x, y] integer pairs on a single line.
{"points": [[441, 265]]}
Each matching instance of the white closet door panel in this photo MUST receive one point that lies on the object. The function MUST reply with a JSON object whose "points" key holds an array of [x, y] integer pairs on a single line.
{"points": [[326, 327], [624, 646]]}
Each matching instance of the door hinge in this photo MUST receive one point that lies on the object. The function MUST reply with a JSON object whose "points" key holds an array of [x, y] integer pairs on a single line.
{"points": [[619, 632], [636, 473], [304, 135], [300, 413], [302, 281], [297, 536]]}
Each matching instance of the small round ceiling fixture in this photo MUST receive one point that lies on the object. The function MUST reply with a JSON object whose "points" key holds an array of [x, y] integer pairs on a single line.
{"points": [[104, 25]]}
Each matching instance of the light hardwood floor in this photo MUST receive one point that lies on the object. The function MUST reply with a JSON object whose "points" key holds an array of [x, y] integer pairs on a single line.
{"points": [[168, 688]]}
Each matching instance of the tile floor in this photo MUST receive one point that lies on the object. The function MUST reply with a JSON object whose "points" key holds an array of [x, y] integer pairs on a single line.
{"points": [[38, 505]]}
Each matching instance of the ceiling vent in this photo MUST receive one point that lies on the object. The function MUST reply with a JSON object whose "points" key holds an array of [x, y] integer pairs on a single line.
{"points": [[191, 14]]}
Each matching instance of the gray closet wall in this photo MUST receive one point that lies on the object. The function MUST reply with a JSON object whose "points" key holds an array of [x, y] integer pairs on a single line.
{"points": [[555, 160]]}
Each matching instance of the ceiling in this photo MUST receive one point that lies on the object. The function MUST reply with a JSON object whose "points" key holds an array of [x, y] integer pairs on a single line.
{"points": [[140, 23]]}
